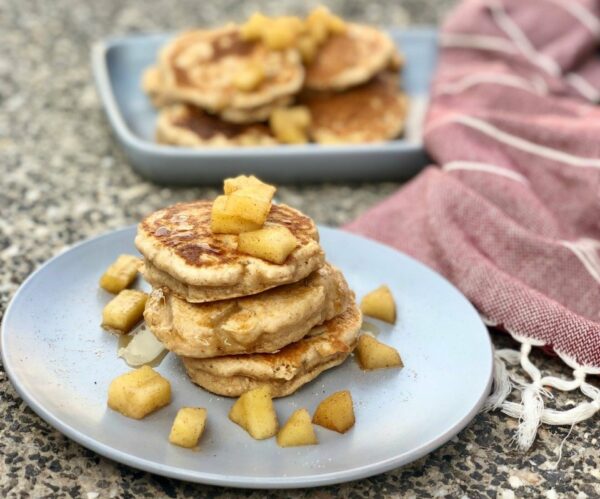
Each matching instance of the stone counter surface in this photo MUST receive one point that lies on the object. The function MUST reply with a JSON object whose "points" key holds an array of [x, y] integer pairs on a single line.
{"points": [[63, 178]]}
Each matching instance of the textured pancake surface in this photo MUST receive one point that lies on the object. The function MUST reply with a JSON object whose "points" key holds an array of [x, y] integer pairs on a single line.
{"points": [[285, 371], [372, 112], [264, 322], [190, 126], [183, 254], [200, 67], [349, 58]]}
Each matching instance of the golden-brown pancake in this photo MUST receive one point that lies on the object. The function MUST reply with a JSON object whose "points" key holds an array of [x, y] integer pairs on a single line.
{"points": [[284, 371], [200, 67], [254, 114], [182, 253], [372, 112], [190, 126], [349, 58], [264, 322]]}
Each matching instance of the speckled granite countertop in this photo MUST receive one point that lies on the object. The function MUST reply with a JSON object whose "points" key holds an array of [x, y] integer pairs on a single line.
{"points": [[63, 178]]}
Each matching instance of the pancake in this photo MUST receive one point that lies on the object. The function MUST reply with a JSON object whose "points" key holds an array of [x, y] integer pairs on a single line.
{"points": [[199, 67], [183, 254], [349, 58], [284, 371], [255, 114], [264, 322], [190, 126], [372, 112]]}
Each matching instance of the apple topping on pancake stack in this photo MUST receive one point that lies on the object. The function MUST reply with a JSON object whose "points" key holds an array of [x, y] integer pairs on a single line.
{"points": [[247, 85], [242, 292]]}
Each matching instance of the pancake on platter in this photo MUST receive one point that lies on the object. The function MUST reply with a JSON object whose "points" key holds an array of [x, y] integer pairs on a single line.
{"points": [[350, 58], [264, 322], [190, 126], [285, 371], [372, 112], [201, 67], [182, 253]]}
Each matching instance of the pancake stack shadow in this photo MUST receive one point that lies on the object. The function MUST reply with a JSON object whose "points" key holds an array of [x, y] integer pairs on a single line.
{"points": [[238, 321], [282, 80]]}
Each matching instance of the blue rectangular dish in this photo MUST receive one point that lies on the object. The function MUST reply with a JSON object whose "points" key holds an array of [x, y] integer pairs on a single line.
{"points": [[118, 65]]}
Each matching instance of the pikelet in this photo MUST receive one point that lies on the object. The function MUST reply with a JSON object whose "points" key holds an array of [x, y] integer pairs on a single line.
{"points": [[264, 322], [349, 58], [372, 112], [286, 371], [183, 254], [186, 125], [201, 67]]}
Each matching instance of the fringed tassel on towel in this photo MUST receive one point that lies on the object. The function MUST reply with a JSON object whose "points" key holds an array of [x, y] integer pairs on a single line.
{"points": [[531, 411]]}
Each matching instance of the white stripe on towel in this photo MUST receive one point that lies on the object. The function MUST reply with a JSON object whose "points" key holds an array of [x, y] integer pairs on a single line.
{"points": [[586, 250], [507, 25], [517, 142], [471, 80], [583, 87], [485, 167], [583, 15], [481, 42]]}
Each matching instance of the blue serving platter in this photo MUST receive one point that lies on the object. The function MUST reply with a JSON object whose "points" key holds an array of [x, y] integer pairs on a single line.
{"points": [[119, 63]]}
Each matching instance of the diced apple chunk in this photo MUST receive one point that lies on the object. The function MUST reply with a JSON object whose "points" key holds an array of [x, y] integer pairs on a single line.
{"points": [[298, 430], [138, 393], [249, 205], [379, 304], [120, 274], [372, 354], [223, 222], [271, 243], [336, 412], [124, 311], [254, 412], [231, 185], [188, 427]]}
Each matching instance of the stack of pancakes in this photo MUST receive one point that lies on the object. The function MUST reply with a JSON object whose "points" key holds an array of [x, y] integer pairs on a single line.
{"points": [[237, 321], [349, 86]]}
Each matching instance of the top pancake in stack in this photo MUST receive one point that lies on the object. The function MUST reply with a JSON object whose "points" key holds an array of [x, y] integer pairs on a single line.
{"points": [[264, 83], [241, 282]]}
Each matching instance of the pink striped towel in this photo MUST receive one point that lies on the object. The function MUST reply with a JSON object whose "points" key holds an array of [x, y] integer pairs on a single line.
{"points": [[511, 211]]}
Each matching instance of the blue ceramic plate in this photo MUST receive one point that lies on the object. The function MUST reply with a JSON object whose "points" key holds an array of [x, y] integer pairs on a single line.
{"points": [[118, 65], [61, 362]]}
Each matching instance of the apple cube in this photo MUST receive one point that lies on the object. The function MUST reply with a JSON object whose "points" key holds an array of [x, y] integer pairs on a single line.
{"points": [[223, 222], [124, 311], [254, 412], [298, 430], [188, 427], [336, 412], [379, 304], [372, 354], [270, 243], [138, 393], [120, 274]]}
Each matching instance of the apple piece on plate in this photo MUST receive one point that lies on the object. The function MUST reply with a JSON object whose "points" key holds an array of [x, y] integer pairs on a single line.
{"points": [[124, 311], [298, 430], [270, 243], [120, 274], [138, 393], [372, 354], [379, 304], [188, 427], [254, 412], [336, 412]]}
